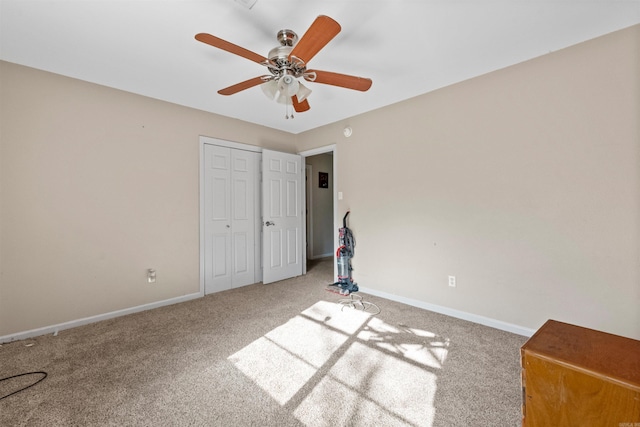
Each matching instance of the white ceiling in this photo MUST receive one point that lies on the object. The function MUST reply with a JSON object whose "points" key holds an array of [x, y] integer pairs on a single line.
{"points": [[406, 47]]}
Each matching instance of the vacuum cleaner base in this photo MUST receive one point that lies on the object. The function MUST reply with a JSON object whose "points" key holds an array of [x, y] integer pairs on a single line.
{"points": [[355, 302], [343, 288]]}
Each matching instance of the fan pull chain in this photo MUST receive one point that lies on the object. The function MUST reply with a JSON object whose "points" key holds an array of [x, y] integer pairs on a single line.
{"points": [[287, 116]]}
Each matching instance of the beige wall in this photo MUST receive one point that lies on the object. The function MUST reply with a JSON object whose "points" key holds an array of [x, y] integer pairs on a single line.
{"points": [[523, 183], [96, 186]]}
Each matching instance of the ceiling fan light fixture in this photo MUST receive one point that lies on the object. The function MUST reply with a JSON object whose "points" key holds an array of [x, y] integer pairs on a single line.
{"points": [[303, 92], [283, 89], [283, 99], [288, 85], [270, 89]]}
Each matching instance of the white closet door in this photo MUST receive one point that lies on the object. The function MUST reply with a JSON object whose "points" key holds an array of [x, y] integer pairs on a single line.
{"points": [[243, 187], [217, 218], [230, 185]]}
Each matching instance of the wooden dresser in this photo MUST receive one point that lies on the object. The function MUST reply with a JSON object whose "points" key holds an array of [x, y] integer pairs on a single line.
{"points": [[573, 376]]}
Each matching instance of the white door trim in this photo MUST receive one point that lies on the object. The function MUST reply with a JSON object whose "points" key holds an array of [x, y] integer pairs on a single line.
{"points": [[204, 140], [308, 199], [333, 148]]}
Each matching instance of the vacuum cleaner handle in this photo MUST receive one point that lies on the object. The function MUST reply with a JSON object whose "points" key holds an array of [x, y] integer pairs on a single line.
{"points": [[344, 220]]}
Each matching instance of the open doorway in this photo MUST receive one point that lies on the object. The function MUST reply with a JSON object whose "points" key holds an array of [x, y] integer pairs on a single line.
{"points": [[320, 199]]}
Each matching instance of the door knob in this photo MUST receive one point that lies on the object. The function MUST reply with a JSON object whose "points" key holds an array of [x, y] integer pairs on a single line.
{"points": [[268, 223]]}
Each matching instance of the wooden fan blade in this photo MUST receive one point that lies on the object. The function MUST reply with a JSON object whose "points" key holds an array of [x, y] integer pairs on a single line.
{"points": [[300, 106], [244, 85], [230, 47], [317, 36], [343, 80]]}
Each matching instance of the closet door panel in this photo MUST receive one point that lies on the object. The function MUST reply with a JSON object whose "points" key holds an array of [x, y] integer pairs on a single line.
{"points": [[244, 177], [218, 244]]}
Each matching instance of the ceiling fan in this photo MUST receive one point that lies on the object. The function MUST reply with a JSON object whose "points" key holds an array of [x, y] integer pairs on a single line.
{"points": [[288, 62]]}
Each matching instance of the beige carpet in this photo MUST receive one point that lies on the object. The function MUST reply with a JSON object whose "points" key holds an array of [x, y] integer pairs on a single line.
{"points": [[283, 354]]}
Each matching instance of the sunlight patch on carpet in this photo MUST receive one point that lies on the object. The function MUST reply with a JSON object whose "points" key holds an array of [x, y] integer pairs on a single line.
{"points": [[334, 316], [283, 361], [374, 373], [423, 347], [369, 387]]}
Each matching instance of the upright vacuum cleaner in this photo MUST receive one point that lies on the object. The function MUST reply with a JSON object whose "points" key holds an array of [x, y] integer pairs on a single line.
{"points": [[344, 253], [345, 285]]}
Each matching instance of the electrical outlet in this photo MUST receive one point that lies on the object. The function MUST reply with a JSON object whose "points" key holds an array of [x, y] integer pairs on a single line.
{"points": [[151, 275], [452, 281]]}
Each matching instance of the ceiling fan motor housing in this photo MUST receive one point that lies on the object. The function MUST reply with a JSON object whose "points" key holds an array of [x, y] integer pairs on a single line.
{"points": [[287, 37], [280, 64]]}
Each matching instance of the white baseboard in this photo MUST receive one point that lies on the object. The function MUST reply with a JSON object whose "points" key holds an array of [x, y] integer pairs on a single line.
{"points": [[322, 256], [497, 324], [54, 329]]}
